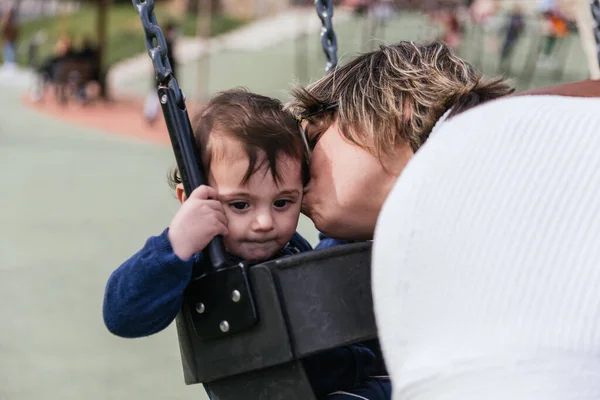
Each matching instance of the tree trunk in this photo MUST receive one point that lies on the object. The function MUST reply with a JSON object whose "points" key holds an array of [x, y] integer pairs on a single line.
{"points": [[101, 23], [180, 7], [203, 31]]}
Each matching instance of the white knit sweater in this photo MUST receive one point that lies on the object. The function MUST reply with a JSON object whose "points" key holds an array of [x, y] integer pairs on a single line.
{"points": [[486, 261]]}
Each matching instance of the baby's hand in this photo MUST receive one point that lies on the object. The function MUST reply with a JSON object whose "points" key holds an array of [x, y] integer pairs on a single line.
{"points": [[197, 222]]}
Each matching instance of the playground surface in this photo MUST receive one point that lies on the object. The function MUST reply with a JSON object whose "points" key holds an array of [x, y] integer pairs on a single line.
{"points": [[76, 202], [83, 187]]}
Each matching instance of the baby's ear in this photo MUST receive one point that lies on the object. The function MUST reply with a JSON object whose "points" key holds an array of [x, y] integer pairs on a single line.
{"points": [[180, 193]]}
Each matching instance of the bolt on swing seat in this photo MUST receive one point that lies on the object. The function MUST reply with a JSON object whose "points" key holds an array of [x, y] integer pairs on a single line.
{"points": [[244, 329]]}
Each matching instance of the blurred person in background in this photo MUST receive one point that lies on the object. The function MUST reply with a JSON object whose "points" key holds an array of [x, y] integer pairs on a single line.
{"points": [[88, 53], [451, 27], [48, 69], [481, 11], [359, 7], [33, 46], [383, 11], [10, 34], [514, 30], [580, 12], [556, 28], [62, 49]]}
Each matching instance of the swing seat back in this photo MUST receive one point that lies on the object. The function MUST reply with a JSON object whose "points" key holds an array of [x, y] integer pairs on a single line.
{"points": [[306, 303]]}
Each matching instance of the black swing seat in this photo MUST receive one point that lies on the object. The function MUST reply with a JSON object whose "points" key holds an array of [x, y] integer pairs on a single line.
{"points": [[306, 303]]}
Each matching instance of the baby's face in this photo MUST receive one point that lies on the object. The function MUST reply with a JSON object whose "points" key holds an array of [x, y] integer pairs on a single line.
{"points": [[261, 215]]}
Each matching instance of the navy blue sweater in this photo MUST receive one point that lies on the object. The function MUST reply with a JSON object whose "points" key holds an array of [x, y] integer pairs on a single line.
{"points": [[144, 295]]}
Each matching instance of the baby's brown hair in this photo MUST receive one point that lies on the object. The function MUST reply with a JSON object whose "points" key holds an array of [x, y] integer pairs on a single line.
{"points": [[258, 123]]}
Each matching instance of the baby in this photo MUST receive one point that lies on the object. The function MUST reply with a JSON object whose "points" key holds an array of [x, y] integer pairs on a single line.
{"points": [[254, 158]]}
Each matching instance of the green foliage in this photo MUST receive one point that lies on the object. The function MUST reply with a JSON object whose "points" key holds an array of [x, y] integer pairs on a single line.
{"points": [[124, 31]]}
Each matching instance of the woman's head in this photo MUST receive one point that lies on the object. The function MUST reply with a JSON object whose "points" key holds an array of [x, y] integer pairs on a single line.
{"points": [[379, 109]]}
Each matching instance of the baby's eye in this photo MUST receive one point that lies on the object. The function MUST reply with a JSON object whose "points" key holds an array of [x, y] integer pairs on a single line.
{"points": [[282, 204], [239, 205]]}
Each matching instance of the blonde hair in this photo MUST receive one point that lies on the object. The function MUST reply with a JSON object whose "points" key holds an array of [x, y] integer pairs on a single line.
{"points": [[396, 94]]}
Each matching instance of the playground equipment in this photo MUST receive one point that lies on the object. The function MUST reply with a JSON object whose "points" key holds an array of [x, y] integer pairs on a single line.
{"points": [[244, 329]]}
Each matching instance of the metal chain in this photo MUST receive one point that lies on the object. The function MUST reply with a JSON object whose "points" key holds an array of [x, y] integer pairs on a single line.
{"points": [[595, 4], [156, 44], [328, 39]]}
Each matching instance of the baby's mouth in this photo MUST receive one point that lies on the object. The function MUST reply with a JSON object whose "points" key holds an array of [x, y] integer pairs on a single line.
{"points": [[261, 241]]}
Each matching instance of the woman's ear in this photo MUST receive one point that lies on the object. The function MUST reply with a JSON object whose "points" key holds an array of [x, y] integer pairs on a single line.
{"points": [[180, 193]]}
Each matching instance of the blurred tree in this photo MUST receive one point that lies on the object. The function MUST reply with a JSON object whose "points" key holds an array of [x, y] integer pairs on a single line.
{"points": [[101, 24], [429, 5], [179, 7], [193, 6]]}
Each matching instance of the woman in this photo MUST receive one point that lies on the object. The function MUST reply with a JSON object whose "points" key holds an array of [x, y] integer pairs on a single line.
{"points": [[488, 249], [365, 121]]}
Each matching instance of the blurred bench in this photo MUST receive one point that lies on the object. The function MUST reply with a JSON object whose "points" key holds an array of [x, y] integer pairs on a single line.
{"points": [[69, 76]]}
